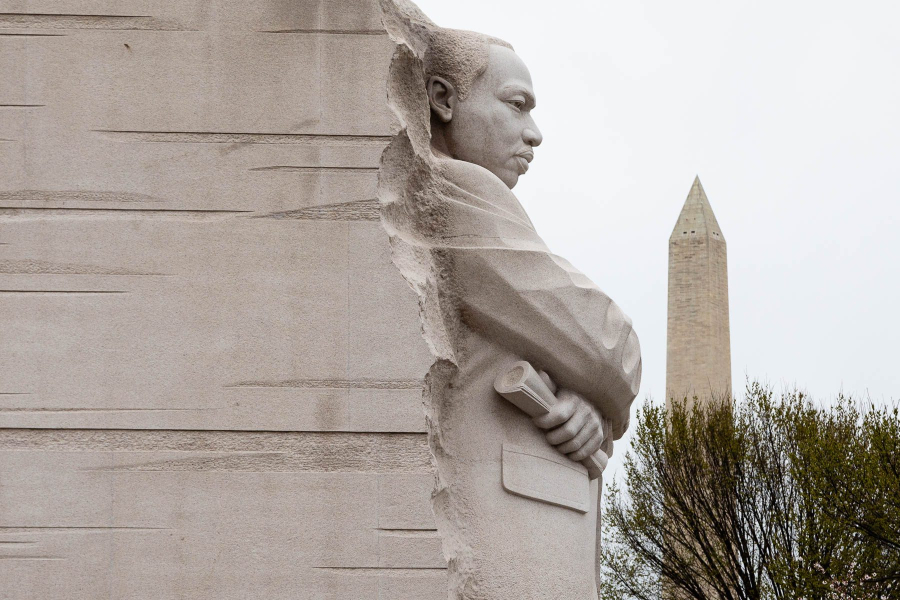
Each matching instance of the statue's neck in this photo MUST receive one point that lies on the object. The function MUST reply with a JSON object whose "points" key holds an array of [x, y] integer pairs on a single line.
{"points": [[439, 140]]}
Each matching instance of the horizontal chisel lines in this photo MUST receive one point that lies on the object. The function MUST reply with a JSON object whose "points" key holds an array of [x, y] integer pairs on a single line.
{"points": [[328, 31], [29, 34], [144, 22], [60, 292], [214, 137], [10, 213], [409, 533], [358, 210], [62, 196], [44, 267], [24, 409], [383, 571], [317, 170], [22, 105], [235, 461], [247, 451], [44, 529], [74, 21], [335, 384]]}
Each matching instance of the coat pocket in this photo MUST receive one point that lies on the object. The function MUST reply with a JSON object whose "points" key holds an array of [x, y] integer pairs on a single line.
{"points": [[547, 476]]}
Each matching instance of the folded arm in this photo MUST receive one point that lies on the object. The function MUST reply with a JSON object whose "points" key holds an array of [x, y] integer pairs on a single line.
{"points": [[544, 310]]}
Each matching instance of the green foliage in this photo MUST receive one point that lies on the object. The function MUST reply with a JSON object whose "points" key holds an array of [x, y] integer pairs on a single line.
{"points": [[765, 498]]}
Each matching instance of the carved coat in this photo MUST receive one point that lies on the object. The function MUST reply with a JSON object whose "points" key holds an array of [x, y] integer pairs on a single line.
{"points": [[517, 518]]}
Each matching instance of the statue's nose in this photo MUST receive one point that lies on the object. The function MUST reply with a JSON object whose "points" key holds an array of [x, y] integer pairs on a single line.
{"points": [[532, 135]]}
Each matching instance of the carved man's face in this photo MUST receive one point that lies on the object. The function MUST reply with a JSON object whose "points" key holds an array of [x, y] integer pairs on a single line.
{"points": [[492, 127]]}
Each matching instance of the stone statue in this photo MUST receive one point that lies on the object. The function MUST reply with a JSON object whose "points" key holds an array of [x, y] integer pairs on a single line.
{"points": [[516, 511]]}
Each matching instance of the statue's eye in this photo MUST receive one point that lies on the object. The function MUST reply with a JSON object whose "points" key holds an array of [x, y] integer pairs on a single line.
{"points": [[517, 104]]}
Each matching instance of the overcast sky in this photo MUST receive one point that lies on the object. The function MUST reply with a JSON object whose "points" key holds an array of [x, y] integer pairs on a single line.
{"points": [[790, 114]]}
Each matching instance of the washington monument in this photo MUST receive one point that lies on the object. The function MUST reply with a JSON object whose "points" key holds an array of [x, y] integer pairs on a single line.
{"points": [[698, 352]]}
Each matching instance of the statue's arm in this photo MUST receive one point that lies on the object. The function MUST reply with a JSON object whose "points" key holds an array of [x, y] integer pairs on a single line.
{"points": [[547, 312]]}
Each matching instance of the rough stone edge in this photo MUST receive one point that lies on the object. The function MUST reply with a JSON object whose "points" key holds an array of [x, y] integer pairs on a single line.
{"points": [[406, 186]]}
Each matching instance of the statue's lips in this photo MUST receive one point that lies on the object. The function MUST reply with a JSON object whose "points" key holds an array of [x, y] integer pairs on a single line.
{"points": [[523, 158]]}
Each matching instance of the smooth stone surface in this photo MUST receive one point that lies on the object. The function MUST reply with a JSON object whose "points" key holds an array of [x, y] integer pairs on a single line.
{"points": [[211, 372], [237, 242]]}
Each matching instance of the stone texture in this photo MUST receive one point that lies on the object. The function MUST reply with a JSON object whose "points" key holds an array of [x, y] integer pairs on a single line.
{"points": [[698, 354], [516, 512], [211, 216], [211, 371]]}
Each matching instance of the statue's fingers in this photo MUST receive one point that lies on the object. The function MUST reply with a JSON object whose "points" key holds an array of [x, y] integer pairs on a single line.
{"points": [[605, 428], [607, 444], [588, 430], [565, 395], [569, 429], [547, 381], [559, 414], [588, 449]]}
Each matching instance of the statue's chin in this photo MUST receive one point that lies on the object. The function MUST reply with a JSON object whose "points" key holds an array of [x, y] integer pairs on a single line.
{"points": [[510, 179]]}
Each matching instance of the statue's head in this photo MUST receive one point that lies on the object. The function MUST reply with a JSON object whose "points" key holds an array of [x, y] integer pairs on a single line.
{"points": [[481, 98]]}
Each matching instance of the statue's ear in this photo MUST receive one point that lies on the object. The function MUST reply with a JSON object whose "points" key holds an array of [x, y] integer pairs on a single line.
{"points": [[442, 97]]}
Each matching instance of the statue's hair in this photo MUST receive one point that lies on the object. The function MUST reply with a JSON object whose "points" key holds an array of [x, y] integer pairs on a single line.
{"points": [[458, 56]]}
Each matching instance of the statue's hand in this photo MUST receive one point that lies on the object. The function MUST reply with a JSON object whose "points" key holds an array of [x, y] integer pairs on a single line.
{"points": [[573, 425]]}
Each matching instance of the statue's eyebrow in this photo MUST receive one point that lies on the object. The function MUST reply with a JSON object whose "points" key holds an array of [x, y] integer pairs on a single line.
{"points": [[530, 100]]}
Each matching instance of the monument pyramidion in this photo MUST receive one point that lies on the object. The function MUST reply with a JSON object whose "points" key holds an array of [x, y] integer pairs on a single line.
{"points": [[698, 352]]}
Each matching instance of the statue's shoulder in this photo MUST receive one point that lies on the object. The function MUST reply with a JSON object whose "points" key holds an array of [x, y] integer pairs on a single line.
{"points": [[481, 184]]}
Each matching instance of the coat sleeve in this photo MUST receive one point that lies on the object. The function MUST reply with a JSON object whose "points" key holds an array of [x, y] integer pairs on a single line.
{"points": [[541, 308]]}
